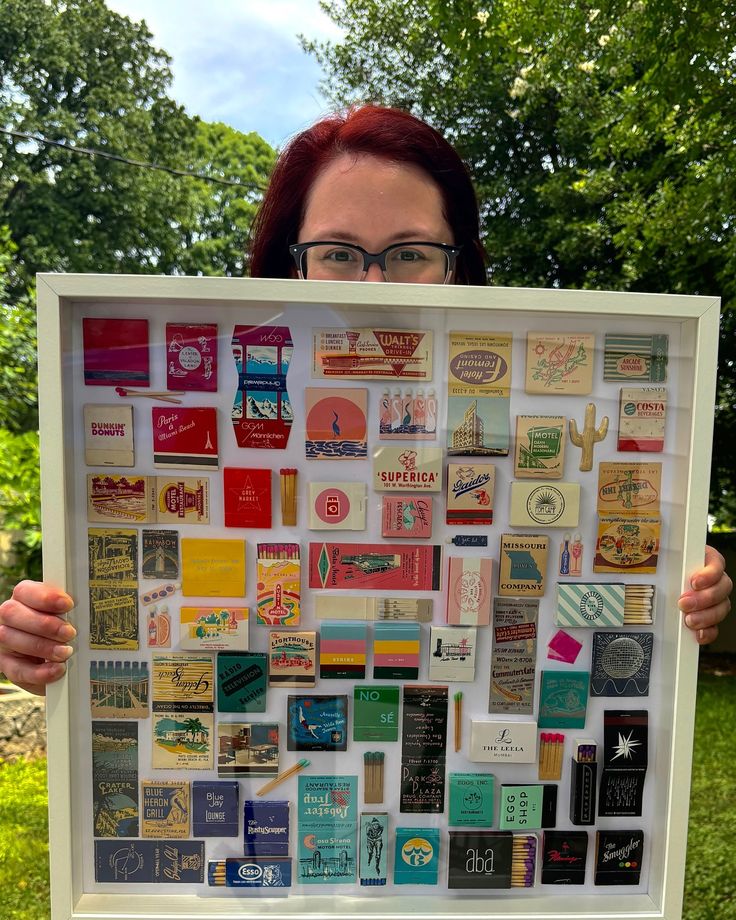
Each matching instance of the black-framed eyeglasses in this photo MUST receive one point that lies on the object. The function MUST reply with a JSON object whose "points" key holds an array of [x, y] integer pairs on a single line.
{"points": [[413, 262]]}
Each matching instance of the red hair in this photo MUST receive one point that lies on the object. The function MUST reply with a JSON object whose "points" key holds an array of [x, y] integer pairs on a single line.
{"points": [[381, 132]]}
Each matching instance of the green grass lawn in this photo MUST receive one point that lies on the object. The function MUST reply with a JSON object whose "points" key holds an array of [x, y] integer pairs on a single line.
{"points": [[710, 878], [24, 857], [710, 881]]}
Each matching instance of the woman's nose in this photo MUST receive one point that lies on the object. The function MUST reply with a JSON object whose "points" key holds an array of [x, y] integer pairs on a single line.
{"points": [[374, 273]]}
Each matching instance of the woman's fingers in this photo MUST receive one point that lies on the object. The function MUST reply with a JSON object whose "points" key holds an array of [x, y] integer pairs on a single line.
{"points": [[34, 636], [29, 674]]}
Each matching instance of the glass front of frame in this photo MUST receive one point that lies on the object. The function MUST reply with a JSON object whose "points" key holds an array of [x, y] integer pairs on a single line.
{"points": [[439, 619]]}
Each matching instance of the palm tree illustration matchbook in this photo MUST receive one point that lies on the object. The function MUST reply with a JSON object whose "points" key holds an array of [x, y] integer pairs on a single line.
{"points": [[183, 712]]}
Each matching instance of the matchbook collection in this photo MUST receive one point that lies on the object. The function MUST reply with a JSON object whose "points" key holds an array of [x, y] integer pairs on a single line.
{"points": [[244, 711]]}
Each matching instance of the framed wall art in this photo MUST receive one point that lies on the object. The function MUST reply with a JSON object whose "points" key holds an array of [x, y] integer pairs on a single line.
{"points": [[376, 596]]}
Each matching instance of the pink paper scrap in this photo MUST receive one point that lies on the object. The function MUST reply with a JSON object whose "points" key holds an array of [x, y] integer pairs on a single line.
{"points": [[562, 647]]}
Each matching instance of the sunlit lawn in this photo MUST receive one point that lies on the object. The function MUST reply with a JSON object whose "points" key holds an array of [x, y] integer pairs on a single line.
{"points": [[710, 879], [24, 857], [710, 884]]}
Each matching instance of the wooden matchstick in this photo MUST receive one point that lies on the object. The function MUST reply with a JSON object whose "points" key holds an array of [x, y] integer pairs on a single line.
{"points": [[458, 720], [277, 780]]}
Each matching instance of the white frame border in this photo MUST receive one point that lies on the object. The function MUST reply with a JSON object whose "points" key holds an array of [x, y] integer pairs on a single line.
{"points": [[701, 318]]}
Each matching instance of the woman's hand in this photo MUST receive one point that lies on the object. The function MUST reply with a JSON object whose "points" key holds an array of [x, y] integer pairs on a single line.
{"points": [[707, 603], [33, 635]]}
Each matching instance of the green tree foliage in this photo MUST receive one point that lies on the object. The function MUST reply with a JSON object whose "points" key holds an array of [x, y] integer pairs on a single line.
{"points": [[18, 410], [601, 140], [77, 73], [215, 226], [81, 76]]}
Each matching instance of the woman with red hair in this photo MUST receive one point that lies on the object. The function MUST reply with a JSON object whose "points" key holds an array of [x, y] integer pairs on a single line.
{"points": [[375, 194], [366, 135]]}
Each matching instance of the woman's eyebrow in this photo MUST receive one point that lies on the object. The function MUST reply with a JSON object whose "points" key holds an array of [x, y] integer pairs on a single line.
{"points": [[347, 236]]}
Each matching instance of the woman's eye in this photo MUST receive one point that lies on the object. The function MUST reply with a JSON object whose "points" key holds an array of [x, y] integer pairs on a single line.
{"points": [[407, 255], [340, 255]]}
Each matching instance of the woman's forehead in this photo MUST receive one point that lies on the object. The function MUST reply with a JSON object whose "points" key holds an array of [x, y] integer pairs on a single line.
{"points": [[370, 197]]}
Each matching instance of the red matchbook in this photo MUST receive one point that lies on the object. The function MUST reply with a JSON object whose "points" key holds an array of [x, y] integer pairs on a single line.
{"points": [[247, 494]]}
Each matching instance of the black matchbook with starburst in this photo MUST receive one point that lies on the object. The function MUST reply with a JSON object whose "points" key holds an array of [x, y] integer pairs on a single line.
{"points": [[625, 757]]}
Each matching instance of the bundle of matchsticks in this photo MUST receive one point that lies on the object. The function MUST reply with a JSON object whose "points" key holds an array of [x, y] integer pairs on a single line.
{"points": [[404, 608], [523, 860], [373, 777], [551, 746], [287, 479], [639, 605]]}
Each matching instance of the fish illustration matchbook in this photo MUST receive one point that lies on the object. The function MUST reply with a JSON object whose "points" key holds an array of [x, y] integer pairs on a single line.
{"points": [[563, 699]]}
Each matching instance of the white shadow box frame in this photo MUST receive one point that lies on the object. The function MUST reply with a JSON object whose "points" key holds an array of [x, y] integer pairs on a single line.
{"points": [[692, 326]]}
